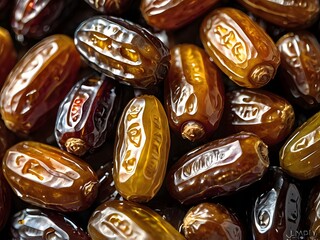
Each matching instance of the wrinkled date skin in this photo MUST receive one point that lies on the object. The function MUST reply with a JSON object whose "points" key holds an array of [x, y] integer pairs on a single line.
{"points": [[169, 15], [36, 19], [38, 83], [211, 221], [48, 177], [87, 115], [8, 55], [263, 113], [313, 217], [240, 48], [276, 213], [141, 149], [194, 93], [286, 13], [299, 156], [218, 168], [5, 201], [300, 68], [123, 50], [112, 7], [124, 220], [32, 223]]}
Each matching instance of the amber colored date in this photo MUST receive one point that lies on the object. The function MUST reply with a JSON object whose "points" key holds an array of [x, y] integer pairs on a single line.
{"points": [[48, 177], [32, 223], [263, 113], [194, 93], [240, 47], [123, 50], [171, 15], [220, 167], [38, 83], [299, 156], [141, 149], [8, 55], [87, 115], [111, 7], [5, 201], [286, 13], [300, 68], [211, 221], [129, 220]]}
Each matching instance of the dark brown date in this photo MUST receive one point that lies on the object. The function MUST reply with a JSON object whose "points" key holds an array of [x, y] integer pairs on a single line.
{"points": [[110, 7], [5, 201], [313, 217], [7, 138], [123, 50], [48, 177], [300, 68], [32, 223], [87, 115], [217, 168], [194, 93]]}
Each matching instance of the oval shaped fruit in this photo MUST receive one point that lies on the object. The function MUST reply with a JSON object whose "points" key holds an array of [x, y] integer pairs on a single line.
{"points": [[300, 68], [261, 112], [169, 15], [87, 115], [194, 93], [123, 50], [48, 177], [300, 154], [129, 220], [110, 7], [141, 149], [217, 168], [287, 13], [239, 47], [38, 83]]}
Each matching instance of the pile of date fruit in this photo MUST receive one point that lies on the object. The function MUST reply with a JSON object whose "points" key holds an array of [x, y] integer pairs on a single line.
{"points": [[160, 119]]}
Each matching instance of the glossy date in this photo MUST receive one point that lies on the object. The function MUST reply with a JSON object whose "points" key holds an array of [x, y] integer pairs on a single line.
{"points": [[110, 7]]}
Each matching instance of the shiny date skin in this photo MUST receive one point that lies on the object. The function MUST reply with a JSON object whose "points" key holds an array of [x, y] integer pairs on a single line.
{"points": [[32, 224], [300, 68], [48, 177], [276, 213], [141, 149], [261, 112], [110, 7], [123, 50], [87, 115], [170, 15], [38, 83], [299, 155], [287, 13], [220, 167], [211, 221], [194, 93], [36, 19], [120, 220], [313, 208], [239, 47], [5, 201]]}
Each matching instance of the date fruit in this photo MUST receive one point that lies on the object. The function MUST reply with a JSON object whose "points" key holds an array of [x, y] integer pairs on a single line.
{"points": [[313, 209], [124, 220], [194, 93], [110, 7], [239, 47], [220, 167], [38, 83], [300, 154], [123, 50], [48, 177], [141, 149]]}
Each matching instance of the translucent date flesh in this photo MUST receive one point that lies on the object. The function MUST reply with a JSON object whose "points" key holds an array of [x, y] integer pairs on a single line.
{"points": [[123, 50], [87, 115], [240, 48], [38, 83], [48, 177], [263, 113], [127, 221], [218, 168], [211, 221], [300, 154], [170, 15], [194, 93], [111, 7], [300, 68], [287, 13], [141, 149]]}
